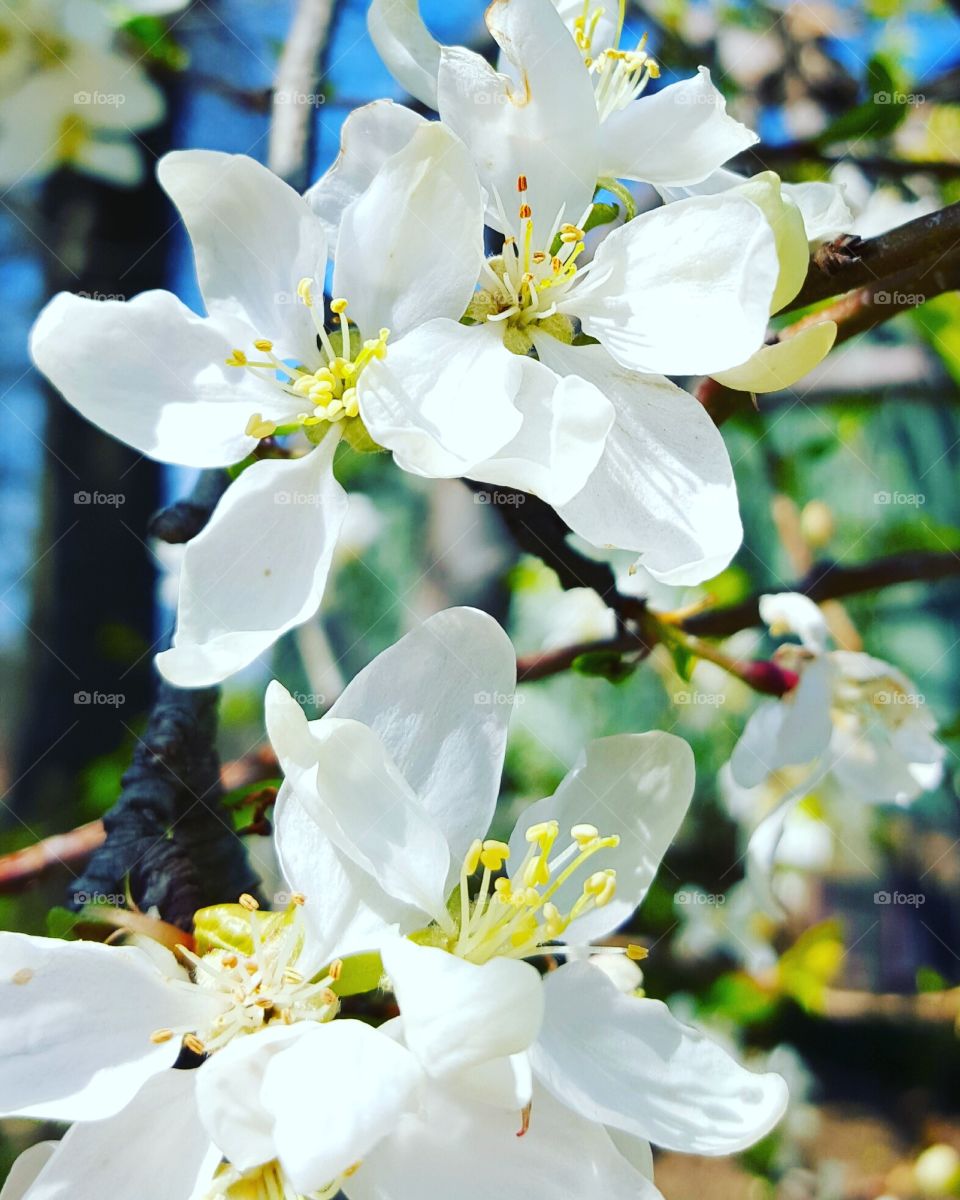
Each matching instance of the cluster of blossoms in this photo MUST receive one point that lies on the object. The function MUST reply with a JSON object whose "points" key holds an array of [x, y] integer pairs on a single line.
{"points": [[518, 1052], [68, 95], [237, 1053], [542, 367]]}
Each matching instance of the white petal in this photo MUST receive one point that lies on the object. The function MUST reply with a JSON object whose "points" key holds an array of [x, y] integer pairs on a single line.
{"points": [[676, 137], [229, 1093], [356, 1080], [503, 1082], [410, 248], [456, 1014], [664, 486], [117, 162], [440, 700], [628, 1063], [783, 364], [75, 1025], [316, 1097], [544, 127], [346, 780], [793, 252], [346, 910], [792, 612], [565, 425], [370, 135], [259, 567], [151, 373], [26, 1167], [476, 1154], [636, 785], [410, 52], [442, 399], [683, 290], [792, 731], [154, 1149], [823, 207], [128, 98], [254, 238]]}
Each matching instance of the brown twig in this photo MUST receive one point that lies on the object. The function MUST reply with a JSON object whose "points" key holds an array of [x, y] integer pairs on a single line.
{"points": [[840, 1004], [825, 581], [916, 246], [295, 92]]}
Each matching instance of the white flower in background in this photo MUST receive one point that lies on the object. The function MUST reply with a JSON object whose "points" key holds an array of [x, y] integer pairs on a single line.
{"points": [[206, 391], [67, 97], [879, 209], [90, 1034], [567, 99], [683, 290], [384, 815], [728, 923], [851, 717]]}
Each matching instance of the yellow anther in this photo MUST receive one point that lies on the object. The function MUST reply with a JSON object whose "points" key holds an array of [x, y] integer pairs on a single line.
{"points": [[334, 409], [263, 1002], [338, 306], [335, 970], [583, 835], [263, 344], [352, 1169], [257, 427], [526, 212], [328, 996], [251, 967], [250, 903], [503, 888], [192, 1042], [237, 359], [230, 961], [542, 832], [159, 1036], [570, 233], [494, 854], [601, 886], [472, 861], [298, 898], [521, 183], [305, 291], [637, 953], [536, 872]]}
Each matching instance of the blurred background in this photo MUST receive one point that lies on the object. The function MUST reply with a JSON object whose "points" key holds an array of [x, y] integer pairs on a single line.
{"points": [[852, 994]]}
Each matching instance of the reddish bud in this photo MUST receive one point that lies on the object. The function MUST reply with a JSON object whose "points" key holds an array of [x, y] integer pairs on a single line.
{"points": [[765, 676]]}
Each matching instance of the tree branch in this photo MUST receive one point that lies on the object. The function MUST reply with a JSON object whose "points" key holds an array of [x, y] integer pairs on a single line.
{"points": [[916, 246], [168, 836], [825, 581]]}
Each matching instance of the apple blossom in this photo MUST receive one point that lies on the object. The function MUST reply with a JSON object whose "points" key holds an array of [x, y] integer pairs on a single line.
{"points": [[385, 810], [67, 97], [851, 717], [669, 293], [90, 1034], [567, 97], [209, 391]]}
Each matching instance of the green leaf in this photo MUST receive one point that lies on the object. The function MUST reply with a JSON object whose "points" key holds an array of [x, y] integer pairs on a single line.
{"points": [[878, 116], [939, 324]]}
